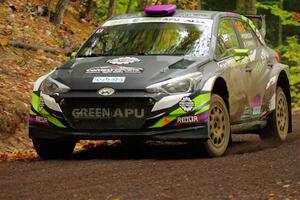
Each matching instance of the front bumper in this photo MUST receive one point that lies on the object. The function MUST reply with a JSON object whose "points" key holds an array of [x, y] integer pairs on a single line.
{"points": [[172, 117], [37, 131]]}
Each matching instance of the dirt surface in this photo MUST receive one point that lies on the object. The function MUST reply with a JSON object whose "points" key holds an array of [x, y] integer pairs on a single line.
{"points": [[251, 169]]}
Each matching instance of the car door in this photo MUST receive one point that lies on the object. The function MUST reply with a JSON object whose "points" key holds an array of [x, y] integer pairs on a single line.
{"points": [[233, 70], [257, 71]]}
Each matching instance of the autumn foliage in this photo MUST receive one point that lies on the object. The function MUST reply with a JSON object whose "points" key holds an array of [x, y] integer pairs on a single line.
{"points": [[19, 68]]}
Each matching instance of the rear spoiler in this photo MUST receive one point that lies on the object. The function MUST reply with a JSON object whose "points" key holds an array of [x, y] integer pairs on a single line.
{"points": [[260, 23]]}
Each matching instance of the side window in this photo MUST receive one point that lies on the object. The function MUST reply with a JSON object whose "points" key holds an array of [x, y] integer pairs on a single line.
{"points": [[247, 35], [226, 40]]}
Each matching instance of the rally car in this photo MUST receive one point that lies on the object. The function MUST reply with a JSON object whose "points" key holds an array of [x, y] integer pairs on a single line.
{"points": [[164, 74]]}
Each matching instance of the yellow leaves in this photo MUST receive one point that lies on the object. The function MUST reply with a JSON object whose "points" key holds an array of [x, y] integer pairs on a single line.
{"points": [[296, 16], [286, 186], [88, 144], [112, 197], [40, 51], [4, 41], [19, 68], [23, 155], [18, 155], [3, 156], [271, 194]]}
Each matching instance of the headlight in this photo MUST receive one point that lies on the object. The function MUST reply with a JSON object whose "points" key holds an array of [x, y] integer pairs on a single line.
{"points": [[51, 86], [183, 84]]}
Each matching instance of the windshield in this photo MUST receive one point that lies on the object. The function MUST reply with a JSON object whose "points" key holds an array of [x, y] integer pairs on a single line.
{"points": [[155, 38]]}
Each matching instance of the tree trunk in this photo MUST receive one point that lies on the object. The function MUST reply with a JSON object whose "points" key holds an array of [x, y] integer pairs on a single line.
{"points": [[199, 4], [89, 9], [128, 6], [165, 2], [280, 25], [111, 8], [49, 10], [246, 7], [143, 4], [60, 11], [23, 45]]}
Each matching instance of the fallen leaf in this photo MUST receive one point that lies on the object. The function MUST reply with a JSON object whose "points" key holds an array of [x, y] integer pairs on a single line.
{"points": [[4, 41], [271, 194], [286, 186]]}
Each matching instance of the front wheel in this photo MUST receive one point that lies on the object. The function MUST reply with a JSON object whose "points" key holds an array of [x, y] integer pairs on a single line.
{"points": [[218, 127], [53, 149]]}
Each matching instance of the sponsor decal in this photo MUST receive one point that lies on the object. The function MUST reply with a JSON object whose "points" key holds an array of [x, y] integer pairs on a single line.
{"points": [[123, 60], [105, 79], [106, 91], [107, 113], [114, 70], [187, 119], [256, 110], [185, 20], [191, 119], [257, 101], [256, 105], [41, 119], [186, 104]]}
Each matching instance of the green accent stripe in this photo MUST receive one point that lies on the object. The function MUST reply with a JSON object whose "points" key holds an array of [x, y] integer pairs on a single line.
{"points": [[32, 113], [35, 101], [202, 110], [244, 18], [178, 112], [55, 121], [201, 100], [249, 21]]}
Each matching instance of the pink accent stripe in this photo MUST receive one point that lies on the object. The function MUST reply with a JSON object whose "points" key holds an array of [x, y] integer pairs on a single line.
{"points": [[231, 14], [203, 116], [32, 119]]}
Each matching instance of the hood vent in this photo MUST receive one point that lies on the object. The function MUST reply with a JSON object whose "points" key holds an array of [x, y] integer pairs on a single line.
{"points": [[181, 64]]}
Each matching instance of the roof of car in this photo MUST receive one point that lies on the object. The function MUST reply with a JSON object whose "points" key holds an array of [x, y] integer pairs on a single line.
{"points": [[203, 14]]}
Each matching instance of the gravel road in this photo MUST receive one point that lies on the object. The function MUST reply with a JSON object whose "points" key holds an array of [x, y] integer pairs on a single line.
{"points": [[251, 169]]}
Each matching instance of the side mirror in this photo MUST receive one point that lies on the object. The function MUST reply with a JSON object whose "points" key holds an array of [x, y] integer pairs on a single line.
{"points": [[241, 52]]}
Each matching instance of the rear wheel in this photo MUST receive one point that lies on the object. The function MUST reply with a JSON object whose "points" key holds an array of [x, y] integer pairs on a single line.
{"points": [[218, 127], [278, 123], [53, 149]]}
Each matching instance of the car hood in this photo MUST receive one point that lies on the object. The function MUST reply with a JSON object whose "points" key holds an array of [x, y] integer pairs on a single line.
{"points": [[143, 71]]}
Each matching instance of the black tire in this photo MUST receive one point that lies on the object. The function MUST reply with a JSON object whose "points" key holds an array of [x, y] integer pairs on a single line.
{"points": [[53, 149], [218, 127], [278, 122]]}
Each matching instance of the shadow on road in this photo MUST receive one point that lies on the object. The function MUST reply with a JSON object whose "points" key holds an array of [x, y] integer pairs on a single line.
{"points": [[172, 150], [152, 150], [247, 143]]}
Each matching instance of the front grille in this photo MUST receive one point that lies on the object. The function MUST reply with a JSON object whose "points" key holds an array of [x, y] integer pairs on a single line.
{"points": [[106, 113]]}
